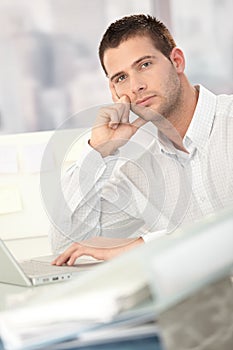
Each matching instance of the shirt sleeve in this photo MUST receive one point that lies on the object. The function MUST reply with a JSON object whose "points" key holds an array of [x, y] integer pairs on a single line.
{"points": [[87, 207]]}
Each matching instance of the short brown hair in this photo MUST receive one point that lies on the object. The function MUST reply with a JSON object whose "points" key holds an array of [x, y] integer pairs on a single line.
{"points": [[130, 26]]}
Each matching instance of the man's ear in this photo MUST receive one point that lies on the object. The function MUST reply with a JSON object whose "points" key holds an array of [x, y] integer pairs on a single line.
{"points": [[178, 60]]}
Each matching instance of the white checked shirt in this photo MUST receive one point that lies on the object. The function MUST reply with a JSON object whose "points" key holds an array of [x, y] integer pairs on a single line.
{"points": [[150, 187]]}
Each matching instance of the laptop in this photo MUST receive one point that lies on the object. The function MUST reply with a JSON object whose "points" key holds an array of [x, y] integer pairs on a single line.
{"points": [[38, 271]]}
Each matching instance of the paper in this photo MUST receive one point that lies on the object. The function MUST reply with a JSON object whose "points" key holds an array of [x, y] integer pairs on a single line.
{"points": [[77, 310], [10, 199], [33, 155], [92, 317], [8, 160]]}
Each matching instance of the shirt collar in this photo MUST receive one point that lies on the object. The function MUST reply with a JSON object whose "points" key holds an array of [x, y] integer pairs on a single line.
{"points": [[200, 127]]}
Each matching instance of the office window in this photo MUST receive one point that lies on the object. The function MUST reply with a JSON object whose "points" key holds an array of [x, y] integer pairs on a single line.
{"points": [[49, 67], [204, 29]]}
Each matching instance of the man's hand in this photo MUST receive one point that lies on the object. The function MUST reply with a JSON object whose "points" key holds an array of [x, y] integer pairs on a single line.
{"points": [[112, 128], [99, 248]]}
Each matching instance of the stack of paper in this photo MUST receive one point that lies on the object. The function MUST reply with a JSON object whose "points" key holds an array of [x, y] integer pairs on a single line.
{"points": [[97, 307]]}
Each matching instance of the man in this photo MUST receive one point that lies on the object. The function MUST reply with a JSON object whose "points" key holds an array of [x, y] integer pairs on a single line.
{"points": [[183, 174]]}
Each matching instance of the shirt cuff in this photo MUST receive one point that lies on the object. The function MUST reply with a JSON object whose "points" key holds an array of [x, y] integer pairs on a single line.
{"points": [[150, 236]]}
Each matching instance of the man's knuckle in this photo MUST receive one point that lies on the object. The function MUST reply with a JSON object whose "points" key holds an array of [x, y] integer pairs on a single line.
{"points": [[75, 245]]}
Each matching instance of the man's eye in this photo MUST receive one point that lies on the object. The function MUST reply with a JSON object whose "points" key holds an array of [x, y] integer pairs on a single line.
{"points": [[121, 78], [146, 64]]}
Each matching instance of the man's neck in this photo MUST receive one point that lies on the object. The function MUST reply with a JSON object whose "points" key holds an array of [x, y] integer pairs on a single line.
{"points": [[184, 114]]}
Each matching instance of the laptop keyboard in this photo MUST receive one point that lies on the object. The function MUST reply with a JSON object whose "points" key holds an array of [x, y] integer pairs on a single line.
{"points": [[37, 268]]}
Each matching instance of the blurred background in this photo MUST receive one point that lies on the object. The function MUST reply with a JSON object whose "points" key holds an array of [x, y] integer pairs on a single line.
{"points": [[49, 67]]}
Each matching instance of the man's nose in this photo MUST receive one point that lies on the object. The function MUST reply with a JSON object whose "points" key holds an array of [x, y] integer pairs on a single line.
{"points": [[137, 85]]}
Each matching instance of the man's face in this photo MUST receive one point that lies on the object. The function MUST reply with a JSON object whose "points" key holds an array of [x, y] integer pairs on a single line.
{"points": [[137, 69]]}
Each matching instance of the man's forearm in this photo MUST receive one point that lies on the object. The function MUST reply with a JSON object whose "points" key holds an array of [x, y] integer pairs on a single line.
{"points": [[78, 217]]}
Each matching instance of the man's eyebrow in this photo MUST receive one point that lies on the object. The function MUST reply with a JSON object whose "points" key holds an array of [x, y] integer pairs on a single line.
{"points": [[132, 65], [142, 59]]}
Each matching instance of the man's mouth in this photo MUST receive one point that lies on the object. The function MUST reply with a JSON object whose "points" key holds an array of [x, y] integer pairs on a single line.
{"points": [[145, 101]]}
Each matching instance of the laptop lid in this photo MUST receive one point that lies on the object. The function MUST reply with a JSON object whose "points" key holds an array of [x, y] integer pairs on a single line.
{"points": [[10, 271]]}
